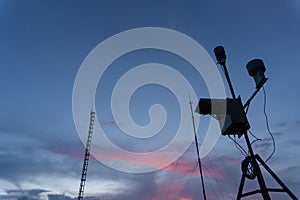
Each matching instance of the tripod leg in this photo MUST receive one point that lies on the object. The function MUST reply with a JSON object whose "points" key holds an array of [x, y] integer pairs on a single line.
{"points": [[276, 178], [260, 179], [242, 183]]}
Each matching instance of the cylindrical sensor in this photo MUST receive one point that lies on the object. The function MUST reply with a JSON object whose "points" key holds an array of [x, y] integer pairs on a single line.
{"points": [[220, 55], [256, 69]]}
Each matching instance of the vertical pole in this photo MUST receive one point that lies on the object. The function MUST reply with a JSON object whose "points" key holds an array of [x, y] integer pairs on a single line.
{"points": [[229, 81], [198, 156], [221, 58]]}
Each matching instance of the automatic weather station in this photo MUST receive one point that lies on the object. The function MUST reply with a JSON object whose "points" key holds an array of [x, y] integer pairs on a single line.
{"points": [[234, 122]]}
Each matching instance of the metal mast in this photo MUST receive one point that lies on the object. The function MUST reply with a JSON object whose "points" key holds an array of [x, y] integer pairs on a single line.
{"points": [[197, 147], [86, 156]]}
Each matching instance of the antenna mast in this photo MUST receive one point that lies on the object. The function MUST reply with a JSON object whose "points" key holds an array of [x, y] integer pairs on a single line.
{"points": [[197, 147], [86, 156]]}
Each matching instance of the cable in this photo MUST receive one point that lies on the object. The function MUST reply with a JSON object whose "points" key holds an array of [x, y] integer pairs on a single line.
{"points": [[256, 138], [219, 185], [228, 172], [254, 135], [177, 161], [254, 141], [268, 127], [189, 178], [172, 180], [238, 146], [214, 191], [219, 157]]}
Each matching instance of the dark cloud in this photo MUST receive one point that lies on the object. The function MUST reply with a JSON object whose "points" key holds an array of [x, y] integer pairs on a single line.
{"points": [[109, 123], [23, 194], [60, 197], [291, 174], [28, 161], [298, 122], [281, 124], [263, 146], [277, 134], [287, 124], [293, 143], [65, 197], [145, 187], [28, 150]]}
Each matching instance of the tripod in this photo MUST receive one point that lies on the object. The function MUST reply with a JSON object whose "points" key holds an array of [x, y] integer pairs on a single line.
{"points": [[252, 161]]}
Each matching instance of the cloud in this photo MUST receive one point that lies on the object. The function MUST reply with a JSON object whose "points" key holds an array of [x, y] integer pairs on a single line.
{"points": [[264, 146], [61, 197], [42, 161], [293, 143], [281, 124], [291, 173], [288, 124], [277, 134], [111, 123], [35, 194]]}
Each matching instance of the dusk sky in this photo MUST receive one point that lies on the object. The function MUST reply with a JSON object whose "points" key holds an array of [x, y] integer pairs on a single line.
{"points": [[44, 43]]}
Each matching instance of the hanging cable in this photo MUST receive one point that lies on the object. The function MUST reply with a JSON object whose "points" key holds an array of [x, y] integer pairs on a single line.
{"points": [[251, 133], [214, 190], [268, 127], [256, 138], [189, 178], [220, 158], [219, 185], [238, 146], [228, 172], [172, 179], [210, 182]]}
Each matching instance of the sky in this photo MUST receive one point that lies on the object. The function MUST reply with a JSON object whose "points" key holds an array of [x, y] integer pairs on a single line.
{"points": [[44, 43]]}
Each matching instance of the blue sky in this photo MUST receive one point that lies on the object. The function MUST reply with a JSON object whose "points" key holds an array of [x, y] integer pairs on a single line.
{"points": [[43, 44]]}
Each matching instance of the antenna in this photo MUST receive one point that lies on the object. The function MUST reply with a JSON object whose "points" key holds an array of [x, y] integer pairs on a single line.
{"points": [[235, 123], [197, 147], [86, 156]]}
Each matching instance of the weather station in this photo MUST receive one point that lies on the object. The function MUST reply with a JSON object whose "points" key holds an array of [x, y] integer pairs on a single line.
{"points": [[232, 117]]}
